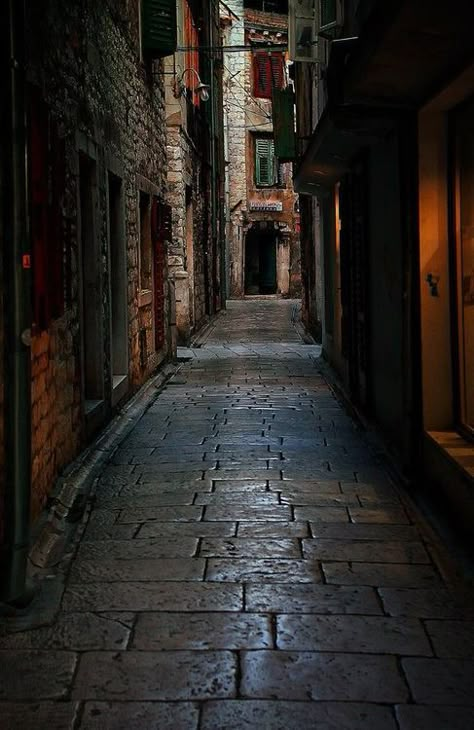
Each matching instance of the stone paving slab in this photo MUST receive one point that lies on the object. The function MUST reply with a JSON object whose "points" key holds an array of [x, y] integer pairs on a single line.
{"points": [[281, 715], [452, 639], [243, 547], [188, 529], [37, 715], [36, 674], [261, 570], [329, 676], [163, 514], [434, 603], [366, 552], [148, 675], [140, 716], [247, 513], [139, 549], [273, 529], [143, 569], [372, 634], [355, 533], [241, 497], [203, 631], [445, 681], [317, 599], [381, 574], [76, 632], [321, 514], [153, 596]]}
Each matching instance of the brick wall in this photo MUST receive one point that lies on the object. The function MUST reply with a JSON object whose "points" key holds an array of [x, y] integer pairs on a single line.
{"points": [[84, 60]]}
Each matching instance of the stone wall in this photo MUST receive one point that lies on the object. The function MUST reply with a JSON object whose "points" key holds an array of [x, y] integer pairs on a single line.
{"points": [[84, 60]]}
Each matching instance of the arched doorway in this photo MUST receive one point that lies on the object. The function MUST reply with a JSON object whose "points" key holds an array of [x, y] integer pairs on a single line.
{"points": [[261, 261]]}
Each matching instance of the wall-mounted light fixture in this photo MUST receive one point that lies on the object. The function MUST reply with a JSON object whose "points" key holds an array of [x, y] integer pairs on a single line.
{"points": [[179, 87]]}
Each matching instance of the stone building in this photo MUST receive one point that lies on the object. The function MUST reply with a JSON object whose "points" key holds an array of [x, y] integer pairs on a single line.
{"points": [[195, 177], [89, 82], [263, 250]]}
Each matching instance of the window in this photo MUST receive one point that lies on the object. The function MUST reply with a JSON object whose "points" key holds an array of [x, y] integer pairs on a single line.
{"points": [[268, 73], [47, 178], [268, 173]]}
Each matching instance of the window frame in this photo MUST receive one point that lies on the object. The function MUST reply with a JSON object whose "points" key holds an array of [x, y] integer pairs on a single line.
{"points": [[278, 180]]}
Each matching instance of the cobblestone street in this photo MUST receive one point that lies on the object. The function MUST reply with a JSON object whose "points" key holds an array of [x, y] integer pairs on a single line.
{"points": [[248, 564]]}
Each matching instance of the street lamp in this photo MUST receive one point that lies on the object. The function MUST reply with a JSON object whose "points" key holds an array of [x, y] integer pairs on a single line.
{"points": [[179, 87]]}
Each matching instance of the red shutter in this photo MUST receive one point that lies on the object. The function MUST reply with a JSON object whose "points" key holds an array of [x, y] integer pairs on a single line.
{"points": [[47, 181], [268, 73], [276, 60], [262, 87]]}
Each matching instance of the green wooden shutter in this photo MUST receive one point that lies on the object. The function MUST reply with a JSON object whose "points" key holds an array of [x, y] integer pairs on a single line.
{"points": [[283, 117], [159, 27], [264, 161]]}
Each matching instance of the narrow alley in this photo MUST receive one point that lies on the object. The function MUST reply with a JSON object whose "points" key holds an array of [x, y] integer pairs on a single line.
{"points": [[248, 564]]}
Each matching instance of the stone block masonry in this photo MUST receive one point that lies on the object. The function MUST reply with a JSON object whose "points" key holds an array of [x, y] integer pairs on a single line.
{"points": [[107, 105]]}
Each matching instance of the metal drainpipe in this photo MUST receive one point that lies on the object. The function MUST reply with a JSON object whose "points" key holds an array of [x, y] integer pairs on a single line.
{"points": [[13, 582]]}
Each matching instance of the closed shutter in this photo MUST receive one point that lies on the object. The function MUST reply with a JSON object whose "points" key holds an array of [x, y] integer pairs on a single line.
{"points": [[283, 117], [159, 27], [264, 161], [268, 73], [276, 63]]}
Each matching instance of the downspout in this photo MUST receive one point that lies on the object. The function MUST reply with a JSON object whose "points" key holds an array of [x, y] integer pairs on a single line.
{"points": [[14, 553]]}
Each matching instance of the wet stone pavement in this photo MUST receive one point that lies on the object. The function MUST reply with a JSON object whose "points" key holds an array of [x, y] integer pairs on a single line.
{"points": [[248, 564]]}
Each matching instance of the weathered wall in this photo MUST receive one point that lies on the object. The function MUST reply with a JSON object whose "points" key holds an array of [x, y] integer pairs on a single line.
{"points": [[85, 61]]}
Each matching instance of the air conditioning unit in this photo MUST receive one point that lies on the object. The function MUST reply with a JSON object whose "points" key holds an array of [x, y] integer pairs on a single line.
{"points": [[302, 30], [331, 18]]}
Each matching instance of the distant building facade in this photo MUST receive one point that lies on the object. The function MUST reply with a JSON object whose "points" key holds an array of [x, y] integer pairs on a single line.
{"points": [[263, 251]]}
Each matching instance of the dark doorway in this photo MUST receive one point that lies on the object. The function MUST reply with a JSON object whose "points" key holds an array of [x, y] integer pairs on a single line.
{"points": [[260, 262]]}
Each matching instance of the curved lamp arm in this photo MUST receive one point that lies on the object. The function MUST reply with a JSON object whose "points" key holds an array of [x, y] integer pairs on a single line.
{"points": [[200, 88]]}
